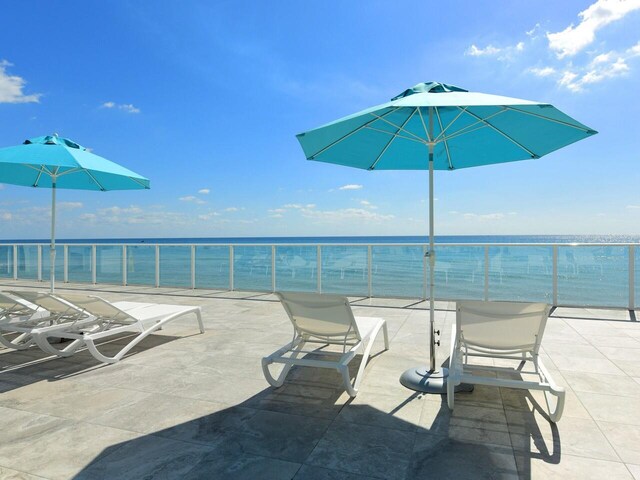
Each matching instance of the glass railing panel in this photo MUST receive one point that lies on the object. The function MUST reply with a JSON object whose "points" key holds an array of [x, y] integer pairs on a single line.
{"points": [[141, 265], [459, 273], [109, 264], [46, 261], [596, 276], [6, 261], [521, 273], [79, 263], [345, 270], [252, 268], [212, 267], [296, 268], [636, 261], [397, 271], [175, 266]]}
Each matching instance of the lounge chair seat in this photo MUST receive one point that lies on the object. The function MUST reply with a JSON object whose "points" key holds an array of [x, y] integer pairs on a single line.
{"points": [[326, 320], [15, 312], [50, 312], [504, 331], [105, 319]]}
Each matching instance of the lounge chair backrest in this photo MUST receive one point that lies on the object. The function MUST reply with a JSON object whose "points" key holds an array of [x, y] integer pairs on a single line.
{"points": [[509, 326], [97, 306], [10, 306], [52, 304], [323, 316]]}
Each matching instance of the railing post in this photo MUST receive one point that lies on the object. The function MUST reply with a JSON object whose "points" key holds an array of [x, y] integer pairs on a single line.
{"points": [[369, 261], [486, 273], [65, 263], [15, 262], [39, 263], [193, 267], [273, 268], [124, 265], [319, 267], [555, 275], [231, 267], [94, 264], [632, 277], [424, 272], [157, 266]]}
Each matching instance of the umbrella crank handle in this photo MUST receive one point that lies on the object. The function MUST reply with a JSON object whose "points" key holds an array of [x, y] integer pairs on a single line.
{"points": [[437, 332]]}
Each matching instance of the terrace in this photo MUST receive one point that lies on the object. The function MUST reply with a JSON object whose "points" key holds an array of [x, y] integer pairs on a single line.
{"points": [[189, 405]]}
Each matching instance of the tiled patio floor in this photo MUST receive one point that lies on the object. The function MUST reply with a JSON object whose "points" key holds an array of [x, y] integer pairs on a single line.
{"points": [[186, 405]]}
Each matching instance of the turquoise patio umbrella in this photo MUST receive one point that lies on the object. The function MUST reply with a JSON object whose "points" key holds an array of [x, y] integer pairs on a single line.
{"points": [[435, 126], [55, 162]]}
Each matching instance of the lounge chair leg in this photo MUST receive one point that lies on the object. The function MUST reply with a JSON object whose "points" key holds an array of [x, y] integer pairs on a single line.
{"points": [[43, 342], [266, 361], [351, 389], [21, 342]]}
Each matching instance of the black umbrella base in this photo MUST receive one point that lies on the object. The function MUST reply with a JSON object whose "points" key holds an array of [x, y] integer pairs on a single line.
{"points": [[421, 379]]}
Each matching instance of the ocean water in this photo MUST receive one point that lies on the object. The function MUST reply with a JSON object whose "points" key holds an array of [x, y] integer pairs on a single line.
{"points": [[467, 267]]}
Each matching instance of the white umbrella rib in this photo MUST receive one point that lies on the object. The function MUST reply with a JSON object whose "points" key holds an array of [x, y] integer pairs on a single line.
{"points": [[344, 137], [444, 140], [566, 124], [373, 165], [497, 130]]}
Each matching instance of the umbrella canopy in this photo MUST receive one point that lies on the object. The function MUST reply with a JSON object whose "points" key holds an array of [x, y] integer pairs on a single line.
{"points": [[55, 162], [38, 161], [436, 126], [468, 129]]}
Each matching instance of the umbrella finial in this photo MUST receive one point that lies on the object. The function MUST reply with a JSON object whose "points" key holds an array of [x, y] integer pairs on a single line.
{"points": [[429, 87]]}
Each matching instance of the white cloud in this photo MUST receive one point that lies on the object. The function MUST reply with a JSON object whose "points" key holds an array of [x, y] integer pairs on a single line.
{"points": [[193, 199], [484, 217], [208, 216], [6, 216], [231, 209], [633, 207], [69, 205], [125, 107], [11, 87], [345, 214], [293, 205], [204, 191], [276, 215], [543, 72], [351, 186], [602, 67], [489, 50], [368, 204], [574, 39]]}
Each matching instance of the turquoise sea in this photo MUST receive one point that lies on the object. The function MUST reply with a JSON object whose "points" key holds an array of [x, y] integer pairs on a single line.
{"points": [[529, 268]]}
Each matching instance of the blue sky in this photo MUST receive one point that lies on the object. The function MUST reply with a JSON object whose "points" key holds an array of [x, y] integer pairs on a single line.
{"points": [[205, 98]]}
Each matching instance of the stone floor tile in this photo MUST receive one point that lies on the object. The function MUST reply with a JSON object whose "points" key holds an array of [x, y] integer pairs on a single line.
{"points": [[364, 450], [611, 408], [436, 456], [569, 467], [10, 474], [277, 435], [308, 472], [145, 457], [625, 439], [229, 464]]}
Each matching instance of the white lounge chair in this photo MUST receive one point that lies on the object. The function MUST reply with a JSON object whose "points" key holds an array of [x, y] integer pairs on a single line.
{"points": [[501, 330], [14, 312], [109, 319], [326, 320], [50, 312]]}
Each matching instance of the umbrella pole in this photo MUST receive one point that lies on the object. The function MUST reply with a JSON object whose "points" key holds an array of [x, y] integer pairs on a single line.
{"points": [[52, 251], [432, 265]]}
